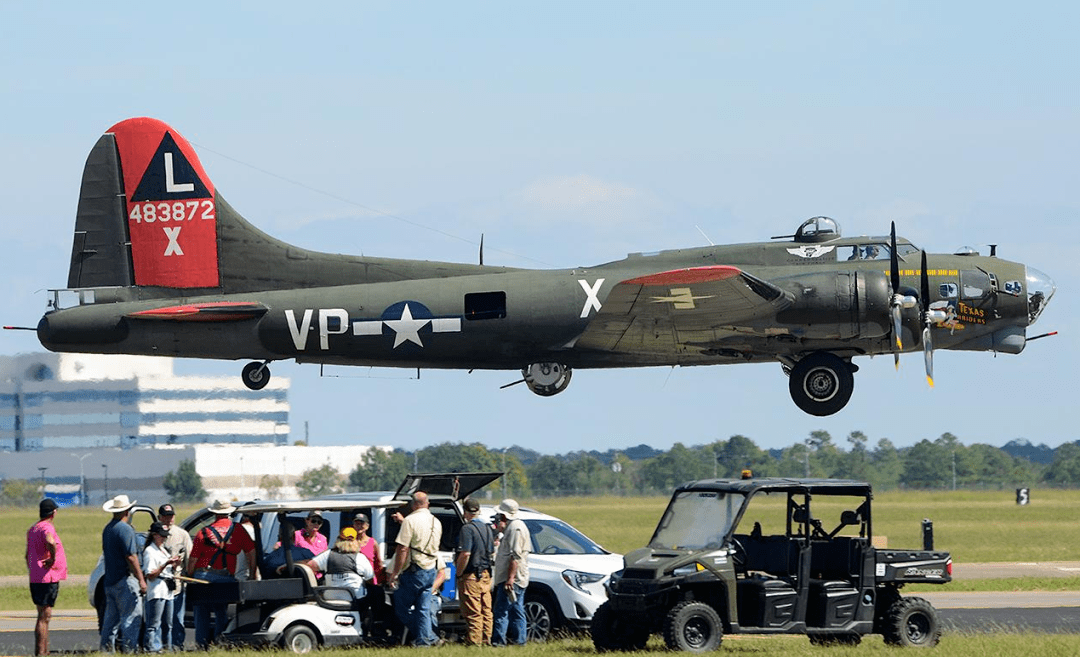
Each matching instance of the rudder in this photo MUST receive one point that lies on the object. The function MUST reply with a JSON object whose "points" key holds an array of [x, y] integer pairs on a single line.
{"points": [[146, 214]]}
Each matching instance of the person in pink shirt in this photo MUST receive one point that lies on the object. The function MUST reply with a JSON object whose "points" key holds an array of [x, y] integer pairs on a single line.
{"points": [[47, 563], [309, 537]]}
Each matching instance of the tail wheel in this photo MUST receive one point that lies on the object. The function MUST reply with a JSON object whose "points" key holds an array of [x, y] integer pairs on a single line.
{"points": [[299, 639], [912, 622], [256, 375], [693, 627], [821, 383]]}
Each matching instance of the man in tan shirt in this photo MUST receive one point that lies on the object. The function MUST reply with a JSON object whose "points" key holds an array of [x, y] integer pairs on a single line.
{"points": [[413, 570]]}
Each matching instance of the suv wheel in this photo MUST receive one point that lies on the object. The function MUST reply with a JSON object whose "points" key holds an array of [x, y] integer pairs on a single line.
{"points": [[912, 622], [612, 632], [693, 626], [540, 616]]}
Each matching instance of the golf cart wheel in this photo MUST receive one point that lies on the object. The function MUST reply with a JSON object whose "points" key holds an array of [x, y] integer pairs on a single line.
{"points": [[693, 627], [299, 639], [610, 632], [913, 623]]}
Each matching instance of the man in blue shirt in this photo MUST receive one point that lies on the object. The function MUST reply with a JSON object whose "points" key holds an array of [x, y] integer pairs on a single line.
{"points": [[123, 579]]}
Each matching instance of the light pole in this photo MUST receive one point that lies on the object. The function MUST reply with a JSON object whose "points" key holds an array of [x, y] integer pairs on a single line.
{"points": [[82, 479], [106, 467], [42, 471]]}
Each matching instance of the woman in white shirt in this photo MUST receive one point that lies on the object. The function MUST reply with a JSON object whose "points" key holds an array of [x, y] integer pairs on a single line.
{"points": [[158, 566]]}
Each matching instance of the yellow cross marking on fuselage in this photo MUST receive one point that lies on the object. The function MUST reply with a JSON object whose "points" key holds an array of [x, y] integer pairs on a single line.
{"points": [[681, 298]]}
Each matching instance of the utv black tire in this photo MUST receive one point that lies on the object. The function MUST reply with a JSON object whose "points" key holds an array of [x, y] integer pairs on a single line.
{"points": [[255, 375], [612, 633], [299, 639], [693, 626], [912, 623], [821, 383], [842, 639]]}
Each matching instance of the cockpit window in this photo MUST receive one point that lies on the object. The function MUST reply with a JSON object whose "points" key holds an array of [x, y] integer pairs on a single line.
{"points": [[947, 291], [975, 284], [872, 251], [865, 252]]}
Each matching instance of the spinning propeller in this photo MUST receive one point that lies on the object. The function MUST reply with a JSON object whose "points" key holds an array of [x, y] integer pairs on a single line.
{"points": [[929, 313]]}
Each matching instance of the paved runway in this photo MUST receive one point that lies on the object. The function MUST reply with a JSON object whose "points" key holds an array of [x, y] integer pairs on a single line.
{"points": [[1048, 611]]}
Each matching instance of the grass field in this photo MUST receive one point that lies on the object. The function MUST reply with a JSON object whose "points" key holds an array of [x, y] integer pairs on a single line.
{"points": [[973, 526], [952, 645]]}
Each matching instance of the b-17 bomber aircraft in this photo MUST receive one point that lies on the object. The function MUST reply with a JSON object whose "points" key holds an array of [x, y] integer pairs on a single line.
{"points": [[163, 265]]}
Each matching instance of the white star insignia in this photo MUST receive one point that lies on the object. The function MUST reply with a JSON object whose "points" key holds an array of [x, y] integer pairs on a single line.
{"points": [[406, 328]]}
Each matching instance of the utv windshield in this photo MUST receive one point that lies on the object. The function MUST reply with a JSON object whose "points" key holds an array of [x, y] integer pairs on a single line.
{"points": [[697, 520]]}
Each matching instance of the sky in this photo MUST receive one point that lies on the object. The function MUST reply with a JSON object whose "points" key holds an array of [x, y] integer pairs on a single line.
{"points": [[571, 134]]}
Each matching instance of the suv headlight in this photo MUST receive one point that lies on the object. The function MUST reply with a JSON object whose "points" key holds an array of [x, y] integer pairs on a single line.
{"points": [[578, 579]]}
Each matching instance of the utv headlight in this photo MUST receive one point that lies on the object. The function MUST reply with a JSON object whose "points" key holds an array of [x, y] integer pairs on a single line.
{"points": [[578, 579]]}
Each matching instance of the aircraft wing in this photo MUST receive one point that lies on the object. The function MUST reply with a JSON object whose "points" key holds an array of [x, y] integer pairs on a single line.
{"points": [[668, 311]]}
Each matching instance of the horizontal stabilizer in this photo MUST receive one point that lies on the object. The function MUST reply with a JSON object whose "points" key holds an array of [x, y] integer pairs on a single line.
{"points": [[221, 311]]}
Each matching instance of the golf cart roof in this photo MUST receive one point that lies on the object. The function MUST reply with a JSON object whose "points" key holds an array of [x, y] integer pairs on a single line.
{"points": [[779, 484]]}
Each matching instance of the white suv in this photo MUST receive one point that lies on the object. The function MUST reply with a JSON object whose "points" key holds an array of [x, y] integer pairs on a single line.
{"points": [[567, 573]]}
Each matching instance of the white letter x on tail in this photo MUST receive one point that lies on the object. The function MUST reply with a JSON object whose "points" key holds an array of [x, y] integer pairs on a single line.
{"points": [[591, 302], [174, 247]]}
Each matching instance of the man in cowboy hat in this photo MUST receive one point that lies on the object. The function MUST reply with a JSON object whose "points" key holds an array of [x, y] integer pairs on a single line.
{"points": [[213, 559], [511, 575], [123, 579]]}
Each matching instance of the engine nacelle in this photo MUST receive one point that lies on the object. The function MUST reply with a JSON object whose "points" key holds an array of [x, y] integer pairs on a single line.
{"points": [[838, 305]]}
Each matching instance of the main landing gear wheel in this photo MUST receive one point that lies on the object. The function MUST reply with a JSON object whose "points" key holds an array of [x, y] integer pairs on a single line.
{"points": [[821, 383], [256, 375], [547, 379]]}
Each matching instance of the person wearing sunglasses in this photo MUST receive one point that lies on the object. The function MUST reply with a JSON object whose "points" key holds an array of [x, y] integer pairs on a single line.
{"points": [[309, 537]]}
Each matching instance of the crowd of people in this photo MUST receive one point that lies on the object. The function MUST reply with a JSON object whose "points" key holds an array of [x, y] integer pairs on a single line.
{"points": [[145, 584]]}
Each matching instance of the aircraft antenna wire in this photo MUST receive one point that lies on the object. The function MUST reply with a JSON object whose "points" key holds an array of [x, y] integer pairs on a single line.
{"points": [[367, 208]]}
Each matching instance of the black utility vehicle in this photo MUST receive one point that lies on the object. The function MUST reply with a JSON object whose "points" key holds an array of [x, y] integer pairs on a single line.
{"points": [[768, 556]]}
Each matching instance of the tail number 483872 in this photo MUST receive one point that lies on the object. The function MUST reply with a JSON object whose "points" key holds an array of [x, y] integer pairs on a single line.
{"points": [[149, 212]]}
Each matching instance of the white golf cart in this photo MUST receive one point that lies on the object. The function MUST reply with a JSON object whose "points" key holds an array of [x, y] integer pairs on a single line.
{"points": [[297, 612]]}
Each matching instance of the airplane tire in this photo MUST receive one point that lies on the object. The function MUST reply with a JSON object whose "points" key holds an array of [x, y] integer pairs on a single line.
{"points": [[255, 375], [821, 383]]}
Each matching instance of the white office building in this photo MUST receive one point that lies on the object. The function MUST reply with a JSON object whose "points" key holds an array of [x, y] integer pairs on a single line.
{"points": [[76, 401]]}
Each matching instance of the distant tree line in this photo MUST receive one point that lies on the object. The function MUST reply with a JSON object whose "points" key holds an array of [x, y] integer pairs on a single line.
{"points": [[941, 464]]}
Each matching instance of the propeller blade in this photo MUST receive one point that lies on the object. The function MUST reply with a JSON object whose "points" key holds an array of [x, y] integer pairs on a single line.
{"points": [[894, 261], [924, 292], [898, 342], [928, 355]]}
